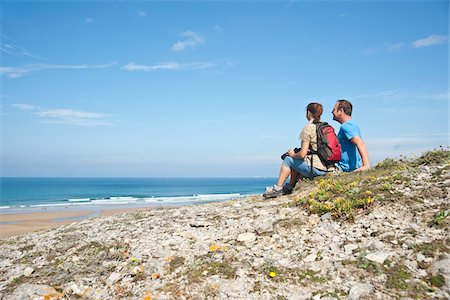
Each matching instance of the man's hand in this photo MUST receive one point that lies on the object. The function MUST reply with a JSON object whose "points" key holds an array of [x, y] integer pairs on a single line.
{"points": [[362, 168], [362, 149]]}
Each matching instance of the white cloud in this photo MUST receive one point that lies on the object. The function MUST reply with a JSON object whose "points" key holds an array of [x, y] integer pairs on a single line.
{"points": [[17, 51], [69, 113], [399, 95], [14, 72], [66, 116], [395, 46], [173, 66], [25, 106], [426, 42], [430, 41], [141, 13], [191, 40]]}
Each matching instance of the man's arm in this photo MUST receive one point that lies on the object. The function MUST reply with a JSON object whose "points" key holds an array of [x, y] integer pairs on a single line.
{"points": [[362, 149]]}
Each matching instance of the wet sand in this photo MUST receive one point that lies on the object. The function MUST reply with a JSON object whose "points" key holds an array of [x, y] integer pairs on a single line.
{"points": [[16, 224]]}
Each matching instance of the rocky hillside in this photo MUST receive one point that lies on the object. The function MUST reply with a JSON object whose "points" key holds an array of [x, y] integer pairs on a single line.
{"points": [[382, 234]]}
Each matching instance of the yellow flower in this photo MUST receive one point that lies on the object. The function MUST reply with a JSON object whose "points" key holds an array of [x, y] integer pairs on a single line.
{"points": [[155, 276], [147, 296], [213, 248], [133, 259], [272, 274]]}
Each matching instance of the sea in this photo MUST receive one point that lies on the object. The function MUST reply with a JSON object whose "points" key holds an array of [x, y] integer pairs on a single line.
{"points": [[19, 195]]}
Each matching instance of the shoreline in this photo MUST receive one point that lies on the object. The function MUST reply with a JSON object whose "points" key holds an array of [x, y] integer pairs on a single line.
{"points": [[15, 224]]}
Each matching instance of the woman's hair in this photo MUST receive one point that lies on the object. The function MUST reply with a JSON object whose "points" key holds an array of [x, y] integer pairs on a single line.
{"points": [[316, 111]]}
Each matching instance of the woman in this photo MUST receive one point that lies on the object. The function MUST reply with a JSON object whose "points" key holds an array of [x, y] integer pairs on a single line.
{"points": [[299, 163]]}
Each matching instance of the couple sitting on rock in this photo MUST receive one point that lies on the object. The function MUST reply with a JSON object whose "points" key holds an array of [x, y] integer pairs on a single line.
{"points": [[302, 164]]}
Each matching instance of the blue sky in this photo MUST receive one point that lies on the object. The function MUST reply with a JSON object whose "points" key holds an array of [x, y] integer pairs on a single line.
{"points": [[213, 88]]}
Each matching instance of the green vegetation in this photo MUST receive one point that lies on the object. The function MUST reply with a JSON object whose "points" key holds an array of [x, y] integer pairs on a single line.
{"points": [[398, 277], [281, 274], [434, 248], [343, 193], [176, 262], [201, 269], [436, 156], [437, 281], [440, 217]]}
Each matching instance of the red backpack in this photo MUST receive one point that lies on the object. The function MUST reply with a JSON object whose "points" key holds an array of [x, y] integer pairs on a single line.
{"points": [[328, 147]]}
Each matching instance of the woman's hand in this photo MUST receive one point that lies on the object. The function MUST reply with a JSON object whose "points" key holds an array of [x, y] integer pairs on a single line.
{"points": [[291, 153]]}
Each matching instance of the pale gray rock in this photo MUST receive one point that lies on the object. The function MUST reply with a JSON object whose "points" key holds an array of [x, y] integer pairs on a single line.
{"points": [[378, 257], [246, 237], [265, 226], [299, 295], [310, 258], [360, 291], [313, 219], [349, 248], [113, 278], [326, 216], [28, 271], [28, 291], [441, 267]]}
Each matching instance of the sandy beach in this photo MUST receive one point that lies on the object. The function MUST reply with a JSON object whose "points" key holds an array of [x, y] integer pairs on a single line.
{"points": [[20, 223]]}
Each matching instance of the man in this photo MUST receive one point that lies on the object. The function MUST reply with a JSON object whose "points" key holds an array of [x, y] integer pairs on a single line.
{"points": [[354, 151]]}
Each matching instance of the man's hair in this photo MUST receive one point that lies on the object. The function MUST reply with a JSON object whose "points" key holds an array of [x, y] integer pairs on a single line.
{"points": [[316, 111], [346, 106]]}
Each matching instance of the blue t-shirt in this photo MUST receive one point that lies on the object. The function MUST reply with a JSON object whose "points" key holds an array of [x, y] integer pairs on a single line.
{"points": [[351, 160]]}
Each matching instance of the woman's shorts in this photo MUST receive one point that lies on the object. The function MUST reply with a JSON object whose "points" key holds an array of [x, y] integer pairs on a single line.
{"points": [[301, 166]]}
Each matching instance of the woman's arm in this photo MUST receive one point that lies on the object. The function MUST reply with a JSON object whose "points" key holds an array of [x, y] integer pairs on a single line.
{"points": [[302, 153]]}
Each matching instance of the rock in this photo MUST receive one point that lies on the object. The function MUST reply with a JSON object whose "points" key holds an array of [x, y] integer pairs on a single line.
{"points": [[246, 237], [360, 291], [187, 235], [73, 288], [326, 216], [33, 291], [376, 245], [378, 257], [348, 249], [441, 267], [113, 278], [265, 227], [28, 271], [299, 295], [420, 257], [310, 258], [313, 219], [200, 224]]}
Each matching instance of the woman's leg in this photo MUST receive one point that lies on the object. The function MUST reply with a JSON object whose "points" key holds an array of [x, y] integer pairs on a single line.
{"points": [[284, 174], [294, 177]]}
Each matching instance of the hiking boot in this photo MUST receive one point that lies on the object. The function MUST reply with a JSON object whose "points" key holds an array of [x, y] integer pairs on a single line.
{"points": [[273, 192], [287, 189]]}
